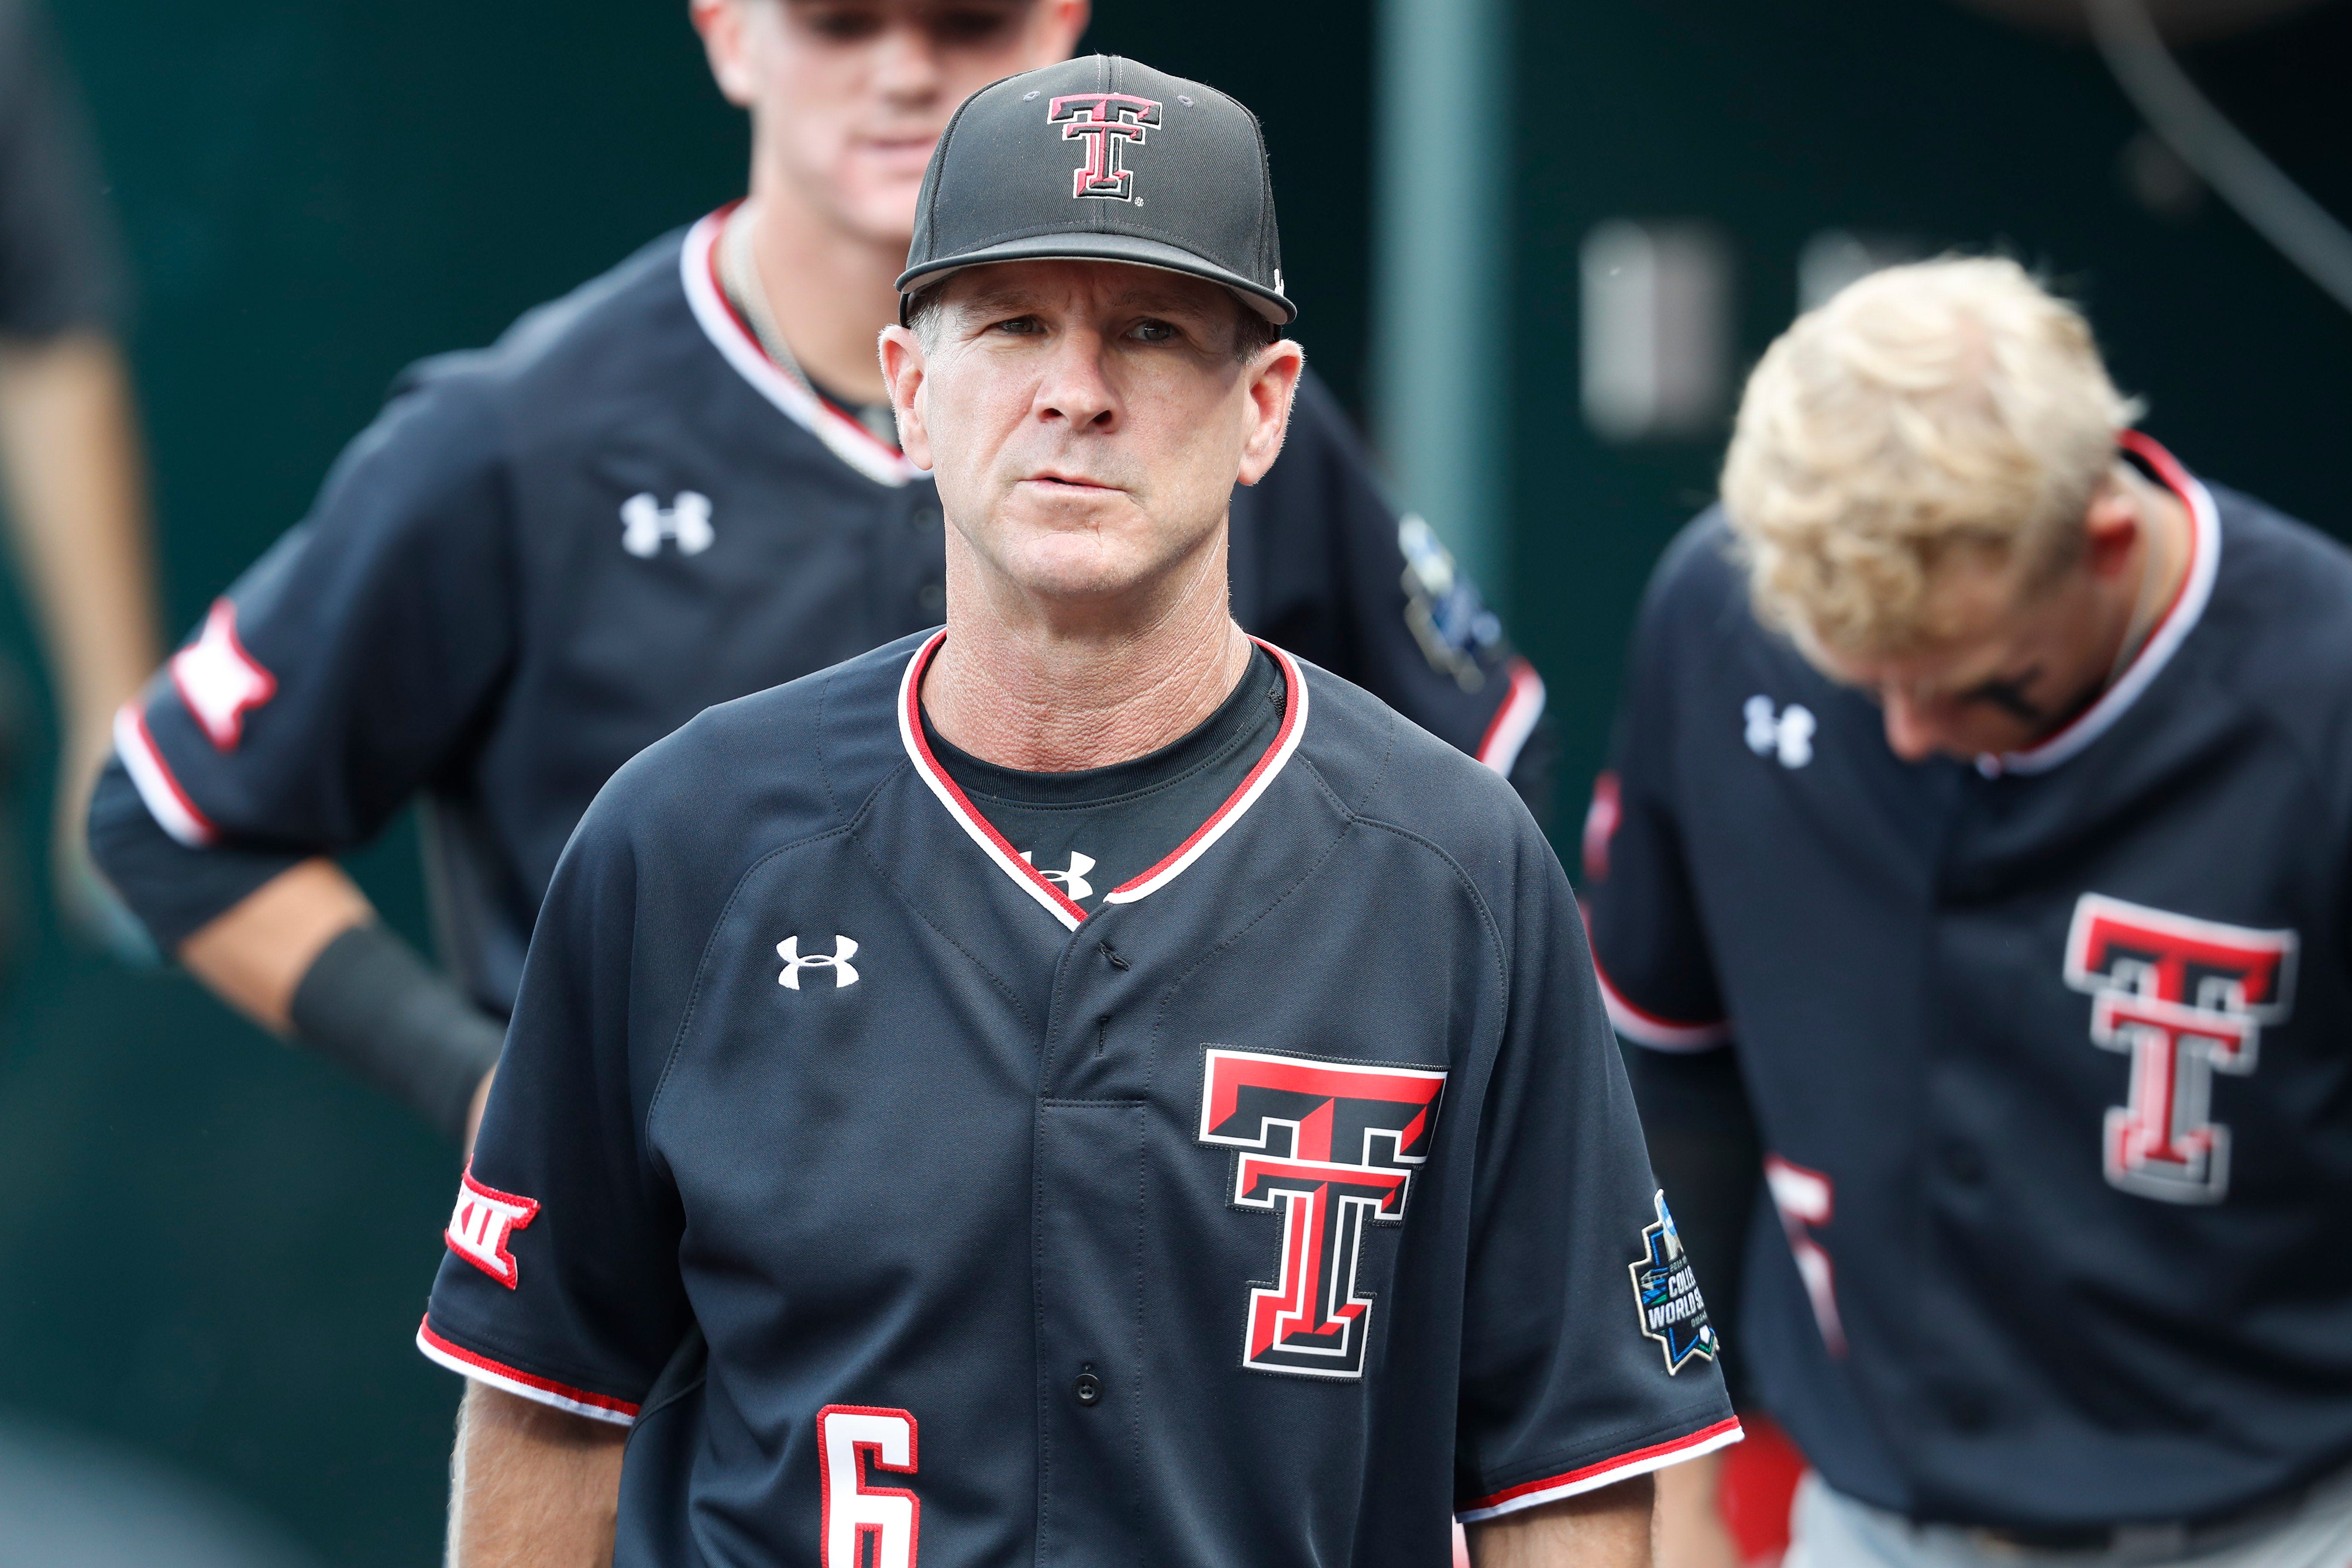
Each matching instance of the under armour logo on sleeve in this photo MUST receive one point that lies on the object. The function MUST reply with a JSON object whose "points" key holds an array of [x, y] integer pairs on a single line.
{"points": [[646, 523], [845, 948]]}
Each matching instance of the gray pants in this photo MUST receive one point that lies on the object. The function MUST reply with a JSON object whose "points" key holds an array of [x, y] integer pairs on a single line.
{"points": [[1830, 1530]]}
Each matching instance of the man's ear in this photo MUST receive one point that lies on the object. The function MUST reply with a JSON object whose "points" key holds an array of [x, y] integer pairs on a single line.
{"points": [[2111, 527], [1272, 377], [727, 43], [902, 372], [1057, 24]]}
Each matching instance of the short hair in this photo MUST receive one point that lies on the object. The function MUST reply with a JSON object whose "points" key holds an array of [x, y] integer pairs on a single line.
{"points": [[1252, 331], [1942, 410]]}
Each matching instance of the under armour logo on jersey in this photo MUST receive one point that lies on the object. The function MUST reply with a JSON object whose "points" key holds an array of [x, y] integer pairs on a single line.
{"points": [[1073, 882], [1104, 120], [482, 1222], [1333, 1145], [845, 948], [218, 682], [2186, 999], [646, 523], [1788, 734]]}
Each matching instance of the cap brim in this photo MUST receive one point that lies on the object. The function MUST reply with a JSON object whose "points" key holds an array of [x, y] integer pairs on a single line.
{"points": [[1119, 247]]}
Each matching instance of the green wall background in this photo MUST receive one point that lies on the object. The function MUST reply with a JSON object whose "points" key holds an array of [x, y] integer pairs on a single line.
{"points": [[216, 1250]]}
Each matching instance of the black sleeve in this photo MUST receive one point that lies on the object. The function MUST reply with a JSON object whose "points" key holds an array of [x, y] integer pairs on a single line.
{"points": [[561, 1283], [342, 670], [1336, 575], [173, 889], [1565, 1386], [59, 264], [1649, 941], [1709, 1159]]}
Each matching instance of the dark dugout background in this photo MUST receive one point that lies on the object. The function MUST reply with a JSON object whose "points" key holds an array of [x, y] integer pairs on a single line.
{"points": [[214, 1251]]}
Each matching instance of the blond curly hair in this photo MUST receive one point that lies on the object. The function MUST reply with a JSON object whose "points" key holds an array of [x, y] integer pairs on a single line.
{"points": [[1946, 410]]}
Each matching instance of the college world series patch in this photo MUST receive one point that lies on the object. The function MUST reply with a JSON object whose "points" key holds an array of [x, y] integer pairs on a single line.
{"points": [[1665, 1294]]}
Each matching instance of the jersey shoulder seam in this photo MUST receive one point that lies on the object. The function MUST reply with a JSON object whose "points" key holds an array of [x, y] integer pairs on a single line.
{"points": [[1469, 885]]}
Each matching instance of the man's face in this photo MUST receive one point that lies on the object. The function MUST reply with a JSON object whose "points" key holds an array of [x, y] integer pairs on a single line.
{"points": [[2012, 667], [1087, 421], [848, 96]]}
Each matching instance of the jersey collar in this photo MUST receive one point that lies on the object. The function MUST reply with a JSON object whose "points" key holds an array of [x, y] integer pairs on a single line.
{"points": [[2180, 617], [1173, 865], [731, 335]]}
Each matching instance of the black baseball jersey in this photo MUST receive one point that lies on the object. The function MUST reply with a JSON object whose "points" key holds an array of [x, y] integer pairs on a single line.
{"points": [[2048, 1054], [544, 557], [1288, 1202]]}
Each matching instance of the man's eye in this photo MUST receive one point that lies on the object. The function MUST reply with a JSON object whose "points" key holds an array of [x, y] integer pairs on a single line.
{"points": [[841, 24], [1019, 326], [1152, 332], [968, 26]]}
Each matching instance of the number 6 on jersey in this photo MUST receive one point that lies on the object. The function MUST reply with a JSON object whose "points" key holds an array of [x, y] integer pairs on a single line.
{"points": [[849, 1438]]}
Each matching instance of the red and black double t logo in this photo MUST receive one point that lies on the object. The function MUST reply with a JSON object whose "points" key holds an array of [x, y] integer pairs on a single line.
{"points": [[1333, 1145]]}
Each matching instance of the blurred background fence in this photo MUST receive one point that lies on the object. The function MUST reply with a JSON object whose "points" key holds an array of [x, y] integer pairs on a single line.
{"points": [[214, 1252]]}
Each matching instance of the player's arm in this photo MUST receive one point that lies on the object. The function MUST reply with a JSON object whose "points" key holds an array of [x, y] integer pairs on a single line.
{"points": [[1376, 599], [1605, 1529], [531, 1486], [69, 448], [332, 680]]}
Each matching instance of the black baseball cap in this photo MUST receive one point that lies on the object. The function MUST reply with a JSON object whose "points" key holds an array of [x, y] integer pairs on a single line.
{"points": [[1102, 159]]}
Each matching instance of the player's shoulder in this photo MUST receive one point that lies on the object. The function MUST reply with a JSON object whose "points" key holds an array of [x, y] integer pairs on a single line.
{"points": [[601, 336], [776, 767], [1388, 772], [2276, 630]]}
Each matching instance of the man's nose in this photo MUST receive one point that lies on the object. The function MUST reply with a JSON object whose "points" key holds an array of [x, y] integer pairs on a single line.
{"points": [[1910, 735], [907, 62], [1074, 387]]}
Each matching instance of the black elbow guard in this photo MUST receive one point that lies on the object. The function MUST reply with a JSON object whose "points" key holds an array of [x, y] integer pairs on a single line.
{"points": [[368, 1002]]}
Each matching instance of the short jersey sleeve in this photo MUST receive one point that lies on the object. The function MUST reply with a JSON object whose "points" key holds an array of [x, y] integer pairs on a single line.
{"points": [[560, 1281], [59, 263], [1341, 579], [1649, 946], [348, 666], [1588, 1358]]}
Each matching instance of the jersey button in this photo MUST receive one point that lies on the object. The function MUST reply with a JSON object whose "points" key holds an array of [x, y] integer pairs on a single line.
{"points": [[1089, 1389]]}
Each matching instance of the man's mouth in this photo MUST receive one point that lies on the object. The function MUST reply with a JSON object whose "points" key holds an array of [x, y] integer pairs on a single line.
{"points": [[1071, 484]]}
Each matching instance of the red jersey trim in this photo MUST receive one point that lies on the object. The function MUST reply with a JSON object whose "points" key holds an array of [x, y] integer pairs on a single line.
{"points": [[539, 1390], [166, 802], [2179, 618], [1507, 731], [1173, 865], [739, 346], [1593, 1478]]}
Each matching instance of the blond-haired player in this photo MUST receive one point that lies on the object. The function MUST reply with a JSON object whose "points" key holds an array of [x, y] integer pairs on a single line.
{"points": [[1975, 851]]}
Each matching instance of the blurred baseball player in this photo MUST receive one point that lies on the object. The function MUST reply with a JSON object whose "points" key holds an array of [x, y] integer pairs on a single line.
{"points": [[70, 456], [678, 485], [1979, 825], [1267, 1197]]}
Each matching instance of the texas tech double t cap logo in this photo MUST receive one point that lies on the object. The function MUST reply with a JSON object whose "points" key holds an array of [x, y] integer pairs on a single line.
{"points": [[2186, 999], [1104, 121], [1332, 1146]]}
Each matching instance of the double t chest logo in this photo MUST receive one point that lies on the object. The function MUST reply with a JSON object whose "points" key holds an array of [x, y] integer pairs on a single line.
{"points": [[1331, 1144], [1103, 120], [2186, 998]]}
